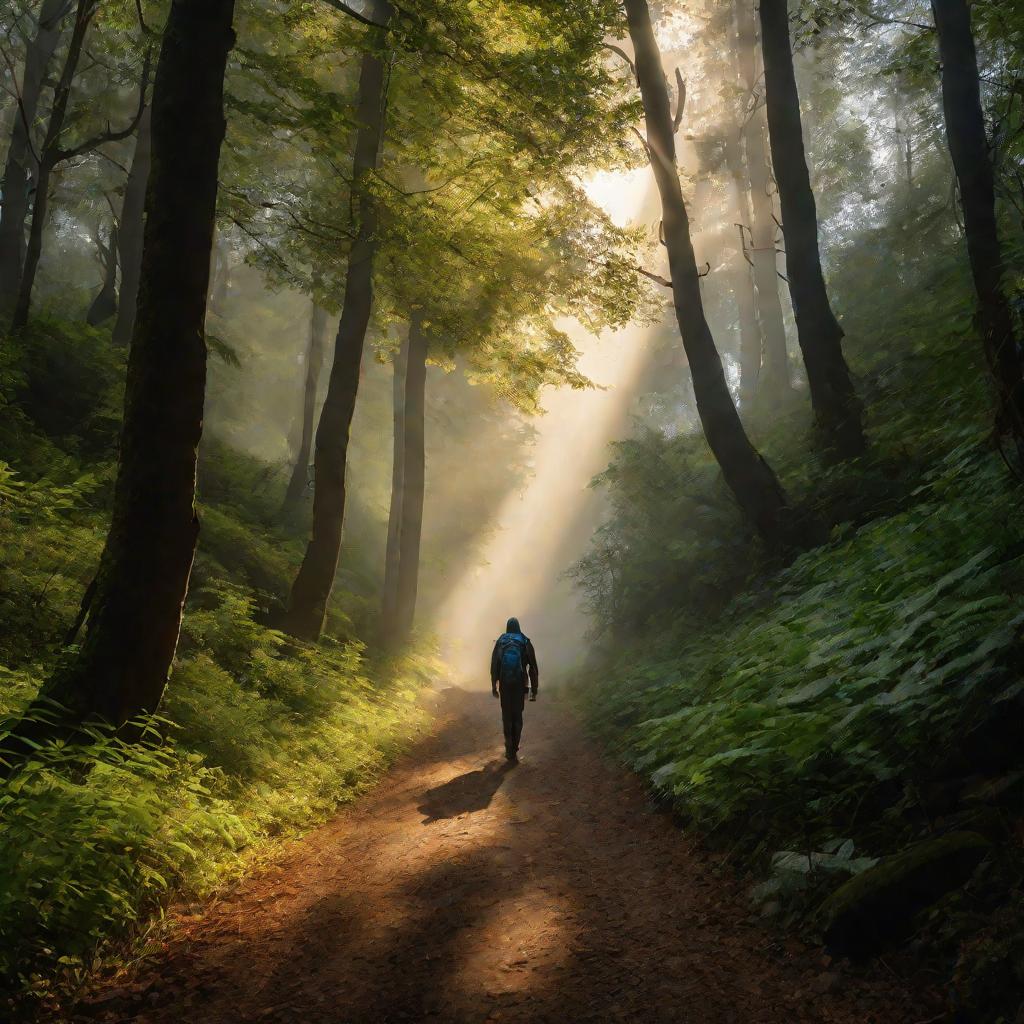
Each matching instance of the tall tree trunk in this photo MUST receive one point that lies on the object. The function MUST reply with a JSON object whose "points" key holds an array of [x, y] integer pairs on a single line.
{"points": [[835, 403], [414, 470], [315, 580], [968, 145], [19, 164], [393, 551], [104, 306], [750, 478], [746, 305], [774, 384], [48, 159], [135, 614], [314, 362], [130, 235]]}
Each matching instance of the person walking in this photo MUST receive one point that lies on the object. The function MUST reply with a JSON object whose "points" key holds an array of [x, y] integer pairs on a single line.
{"points": [[513, 671]]}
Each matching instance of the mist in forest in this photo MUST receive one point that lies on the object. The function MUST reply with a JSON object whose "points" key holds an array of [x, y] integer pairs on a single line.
{"points": [[333, 335]]}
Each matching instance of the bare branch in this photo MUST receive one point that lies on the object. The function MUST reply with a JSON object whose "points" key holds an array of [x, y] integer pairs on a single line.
{"points": [[146, 30], [743, 244], [680, 101], [656, 278], [618, 51]]}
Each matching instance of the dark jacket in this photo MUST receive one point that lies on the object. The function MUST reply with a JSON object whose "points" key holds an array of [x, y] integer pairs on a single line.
{"points": [[530, 657]]}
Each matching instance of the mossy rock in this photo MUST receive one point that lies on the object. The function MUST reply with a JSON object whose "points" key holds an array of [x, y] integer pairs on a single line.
{"points": [[877, 908]]}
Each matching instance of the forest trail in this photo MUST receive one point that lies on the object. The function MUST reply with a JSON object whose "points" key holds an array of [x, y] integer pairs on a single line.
{"points": [[464, 890]]}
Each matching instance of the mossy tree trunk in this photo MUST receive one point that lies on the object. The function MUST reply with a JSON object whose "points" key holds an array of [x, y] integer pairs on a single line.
{"points": [[312, 588], [135, 614], [968, 145], [749, 477], [836, 407], [19, 166]]}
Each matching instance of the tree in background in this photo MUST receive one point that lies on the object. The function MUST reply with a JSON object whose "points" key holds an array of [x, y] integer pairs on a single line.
{"points": [[311, 590], [968, 145], [405, 521], [104, 305], [298, 482], [53, 152], [20, 168], [773, 377], [750, 478], [131, 230], [836, 406]]}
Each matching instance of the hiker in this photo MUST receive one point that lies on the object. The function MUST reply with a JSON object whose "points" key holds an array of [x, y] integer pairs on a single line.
{"points": [[513, 670]]}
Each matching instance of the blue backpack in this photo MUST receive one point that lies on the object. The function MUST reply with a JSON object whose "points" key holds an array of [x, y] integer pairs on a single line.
{"points": [[512, 658]]}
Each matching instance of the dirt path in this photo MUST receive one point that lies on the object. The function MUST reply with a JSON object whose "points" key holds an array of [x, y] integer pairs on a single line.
{"points": [[461, 890]]}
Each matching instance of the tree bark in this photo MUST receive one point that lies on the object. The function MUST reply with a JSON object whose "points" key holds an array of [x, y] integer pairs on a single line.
{"points": [[315, 580], [968, 145], [20, 161], [135, 617], [104, 306], [774, 385], [392, 554], [314, 362], [746, 304], [835, 403], [752, 481], [130, 235], [414, 471], [48, 159]]}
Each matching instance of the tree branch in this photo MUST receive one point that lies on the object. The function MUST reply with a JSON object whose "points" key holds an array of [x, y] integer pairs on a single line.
{"points": [[619, 52], [57, 155], [680, 102], [369, 12]]}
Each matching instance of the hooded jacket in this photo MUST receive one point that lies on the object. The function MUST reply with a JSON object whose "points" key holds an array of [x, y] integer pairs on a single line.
{"points": [[530, 657]]}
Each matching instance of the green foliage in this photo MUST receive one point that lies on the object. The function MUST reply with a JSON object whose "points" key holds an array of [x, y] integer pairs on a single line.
{"points": [[257, 738], [815, 717], [254, 741]]}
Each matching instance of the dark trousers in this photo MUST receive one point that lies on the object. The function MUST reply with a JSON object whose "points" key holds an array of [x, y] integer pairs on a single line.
{"points": [[513, 700]]}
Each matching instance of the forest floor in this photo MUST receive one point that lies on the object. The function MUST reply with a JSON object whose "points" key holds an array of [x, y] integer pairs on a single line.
{"points": [[465, 890]]}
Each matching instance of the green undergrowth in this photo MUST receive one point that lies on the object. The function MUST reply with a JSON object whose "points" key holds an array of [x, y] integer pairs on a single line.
{"points": [[814, 718], [257, 738]]}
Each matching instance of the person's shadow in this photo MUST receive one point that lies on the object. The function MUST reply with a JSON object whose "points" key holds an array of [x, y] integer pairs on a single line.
{"points": [[464, 794]]}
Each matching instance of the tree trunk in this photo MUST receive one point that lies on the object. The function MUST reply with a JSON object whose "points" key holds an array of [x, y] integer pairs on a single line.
{"points": [[315, 580], [392, 555], [414, 471], [968, 145], [314, 362], [131, 232], [135, 615], [48, 158], [17, 170], [750, 330], [751, 480], [835, 403], [774, 385], [104, 306]]}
